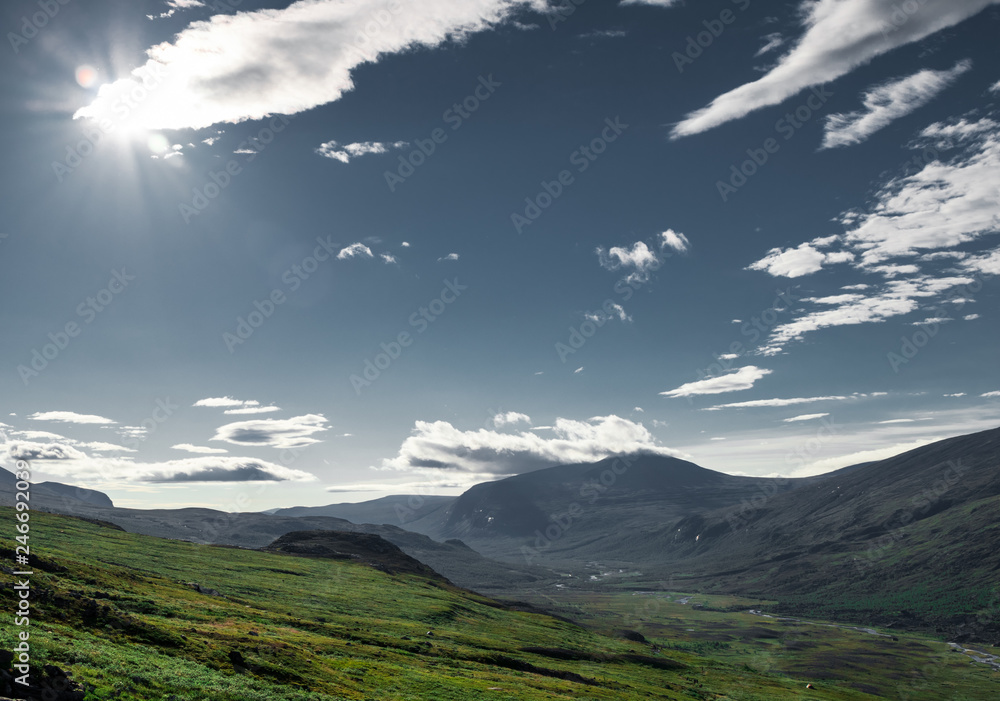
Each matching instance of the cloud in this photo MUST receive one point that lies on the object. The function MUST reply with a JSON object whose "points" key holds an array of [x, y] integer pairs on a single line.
{"points": [[610, 310], [796, 262], [991, 394], [102, 447], [805, 417], [222, 401], [447, 448], [355, 249], [29, 450], [251, 65], [651, 3], [295, 432], [735, 381], [896, 298], [888, 102], [71, 464], [510, 418], [71, 417], [820, 467], [771, 41], [450, 256], [253, 410], [37, 435], [199, 449], [970, 317], [639, 258], [388, 258], [345, 152], [839, 36], [758, 403], [674, 240]]}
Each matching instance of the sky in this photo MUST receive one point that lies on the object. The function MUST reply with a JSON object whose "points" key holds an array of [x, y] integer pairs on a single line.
{"points": [[260, 254]]}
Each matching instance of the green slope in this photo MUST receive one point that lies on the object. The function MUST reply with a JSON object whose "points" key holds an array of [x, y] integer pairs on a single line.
{"points": [[118, 611]]}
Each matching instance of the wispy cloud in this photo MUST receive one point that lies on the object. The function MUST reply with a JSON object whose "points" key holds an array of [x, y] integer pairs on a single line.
{"points": [[888, 102], [199, 449], [71, 417], [253, 410], [345, 152], [804, 417], [839, 36], [771, 42], [450, 256], [757, 403], [734, 381], [285, 61]]}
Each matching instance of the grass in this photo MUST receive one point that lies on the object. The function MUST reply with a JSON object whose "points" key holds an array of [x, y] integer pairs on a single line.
{"points": [[118, 611]]}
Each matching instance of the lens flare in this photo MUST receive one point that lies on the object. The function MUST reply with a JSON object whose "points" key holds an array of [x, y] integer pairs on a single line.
{"points": [[86, 76]]}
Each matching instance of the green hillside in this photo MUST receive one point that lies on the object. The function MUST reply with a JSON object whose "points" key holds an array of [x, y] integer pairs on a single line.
{"points": [[137, 617]]}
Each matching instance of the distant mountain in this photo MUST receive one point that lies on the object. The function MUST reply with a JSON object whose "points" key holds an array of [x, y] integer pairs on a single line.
{"points": [[593, 511], [422, 514], [53, 496]]}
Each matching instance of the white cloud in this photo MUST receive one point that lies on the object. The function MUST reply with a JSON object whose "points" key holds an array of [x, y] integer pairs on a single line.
{"points": [[405, 244], [759, 403], [37, 435], [251, 65], [805, 417], [898, 297], [735, 381], [991, 394], [995, 87], [897, 421], [199, 449], [932, 320], [30, 450], [102, 447], [221, 401], [888, 102], [796, 262], [510, 418], [839, 36], [450, 256], [941, 206], [437, 446], [253, 410], [578, 370], [388, 258], [674, 240], [345, 152], [70, 417], [295, 432], [355, 249], [956, 394], [771, 42], [610, 310], [639, 259], [970, 317]]}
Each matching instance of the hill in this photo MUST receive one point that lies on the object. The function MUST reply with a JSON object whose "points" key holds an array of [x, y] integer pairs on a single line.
{"points": [[132, 617]]}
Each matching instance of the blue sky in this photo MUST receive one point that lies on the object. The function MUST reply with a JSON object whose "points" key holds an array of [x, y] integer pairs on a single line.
{"points": [[258, 255]]}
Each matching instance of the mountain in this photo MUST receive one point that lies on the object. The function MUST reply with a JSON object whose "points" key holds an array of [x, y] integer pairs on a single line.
{"points": [[572, 514], [421, 514], [453, 559], [912, 540], [54, 496]]}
